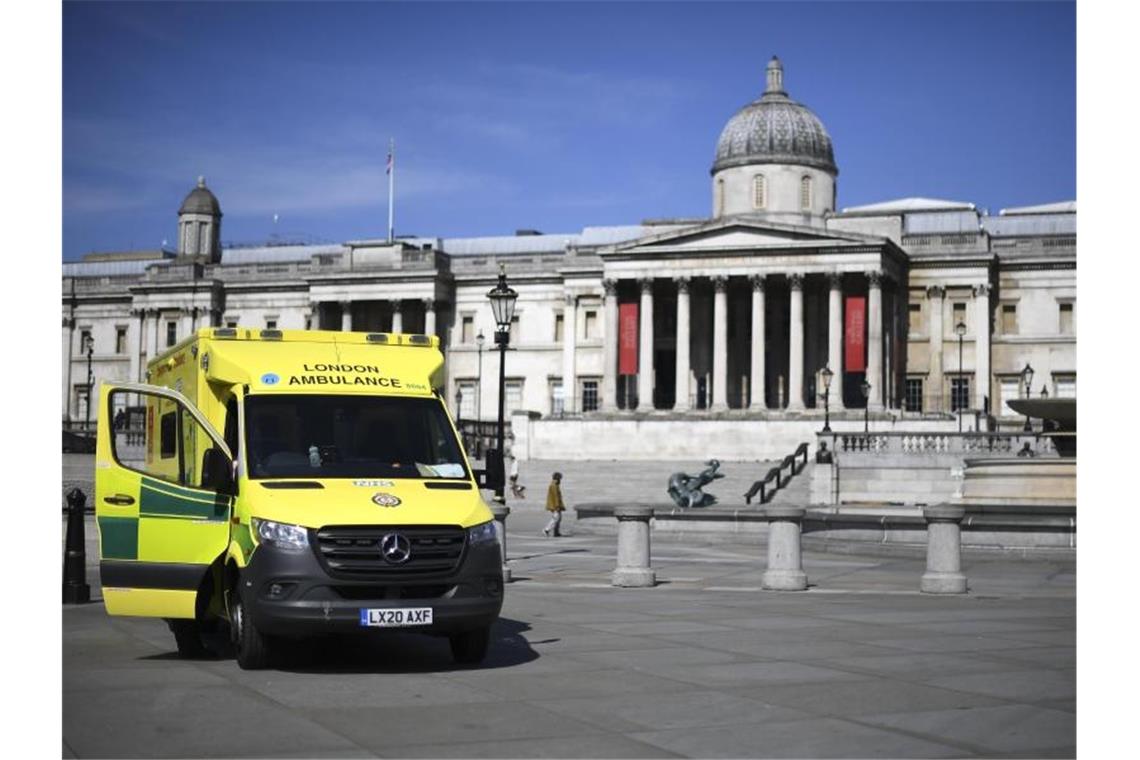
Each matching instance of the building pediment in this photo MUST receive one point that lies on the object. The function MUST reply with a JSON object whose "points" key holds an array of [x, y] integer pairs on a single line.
{"points": [[738, 234]]}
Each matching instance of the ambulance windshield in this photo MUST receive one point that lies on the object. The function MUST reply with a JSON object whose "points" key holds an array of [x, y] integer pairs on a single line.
{"points": [[310, 436]]}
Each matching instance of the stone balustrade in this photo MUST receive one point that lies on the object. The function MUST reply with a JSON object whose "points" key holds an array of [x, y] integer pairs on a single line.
{"points": [[924, 442]]}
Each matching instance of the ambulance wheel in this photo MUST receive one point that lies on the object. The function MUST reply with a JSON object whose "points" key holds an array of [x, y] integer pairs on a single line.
{"points": [[251, 646], [470, 647], [188, 637]]}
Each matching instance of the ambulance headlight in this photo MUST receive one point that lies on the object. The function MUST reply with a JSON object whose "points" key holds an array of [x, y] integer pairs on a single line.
{"points": [[483, 533], [281, 535]]}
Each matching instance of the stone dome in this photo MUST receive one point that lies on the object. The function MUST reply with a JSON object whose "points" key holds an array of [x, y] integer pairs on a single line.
{"points": [[201, 201], [774, 130]]}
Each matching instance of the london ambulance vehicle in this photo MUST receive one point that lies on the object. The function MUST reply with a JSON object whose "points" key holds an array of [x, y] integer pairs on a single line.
{"points": [[291, 484]]}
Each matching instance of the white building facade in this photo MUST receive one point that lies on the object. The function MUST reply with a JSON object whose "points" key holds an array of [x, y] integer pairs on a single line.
{"points": [[677, 338]]}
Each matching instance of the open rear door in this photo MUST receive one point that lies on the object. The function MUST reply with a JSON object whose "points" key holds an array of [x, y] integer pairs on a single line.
{"points": [[163, 497]]}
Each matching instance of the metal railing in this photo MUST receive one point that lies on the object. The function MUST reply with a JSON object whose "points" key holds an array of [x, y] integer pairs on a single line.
{"points": [[479, 435], [776, 474]]}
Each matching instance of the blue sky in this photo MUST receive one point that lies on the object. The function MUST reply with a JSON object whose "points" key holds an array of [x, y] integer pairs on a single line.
{"points": [[552, 116]]}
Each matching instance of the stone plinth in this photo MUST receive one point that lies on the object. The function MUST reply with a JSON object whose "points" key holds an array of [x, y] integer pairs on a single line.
{"points": [[500, 511], [633, 570], [943, 550], [785, 565]]}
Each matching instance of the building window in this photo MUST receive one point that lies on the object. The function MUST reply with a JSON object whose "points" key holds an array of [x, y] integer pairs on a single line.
{"points": [[557, 397], [465, 399], [558, 327], [1065, 314], [171, 333], [589, 395], [1009, 319], [591, 325], [805, 193], [84, 339], [1010, 389], [759, 192], [913, 394], [1065, 386], [514, 395], [959, 311], [959, 393], [515, 329], [81, 402], [120, 340], [467, 330], [914, 317]]}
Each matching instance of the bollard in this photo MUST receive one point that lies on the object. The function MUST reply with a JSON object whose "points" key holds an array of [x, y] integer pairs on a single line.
{"points": [[75, 588], [943, 550], [633, 569], [500, 511], [785, 565]]}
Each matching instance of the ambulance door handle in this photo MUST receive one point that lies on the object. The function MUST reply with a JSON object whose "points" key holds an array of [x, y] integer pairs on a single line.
{"points": [[119, 500]]}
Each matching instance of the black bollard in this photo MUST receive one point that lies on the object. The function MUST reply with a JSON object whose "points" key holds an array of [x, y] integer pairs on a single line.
{"points": [[75, 588]]}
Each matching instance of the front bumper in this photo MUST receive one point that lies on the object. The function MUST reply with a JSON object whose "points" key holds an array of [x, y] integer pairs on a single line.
{"points": [[308, 600]]}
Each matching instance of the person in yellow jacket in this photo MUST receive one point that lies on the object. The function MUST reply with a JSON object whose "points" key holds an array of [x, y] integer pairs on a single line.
{"points": [[554, 505]]}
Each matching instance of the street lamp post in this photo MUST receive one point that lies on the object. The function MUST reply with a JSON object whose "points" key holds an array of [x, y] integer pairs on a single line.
{"points": [[826, 376], [960, 329], [1027, 375], [90, 347], [865, 387], [502, 300], [479, 340]]}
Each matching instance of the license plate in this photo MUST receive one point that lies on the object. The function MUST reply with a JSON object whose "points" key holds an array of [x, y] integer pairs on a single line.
{"points": [[395, 617]]}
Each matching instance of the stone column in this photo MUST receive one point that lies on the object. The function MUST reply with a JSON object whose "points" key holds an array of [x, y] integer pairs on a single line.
{"points": [[610, 347], [157, 333], [134, 347], [682, 400], [756, 399], [346, 316], [645, 354], [397, 316], [569, 347], [875, 339], [500, 512], [835, 339], [943, 550], [429, 316], [633, 569], [785, 565], [720, 344], [935, 296], [796, 344], [981, 345]]}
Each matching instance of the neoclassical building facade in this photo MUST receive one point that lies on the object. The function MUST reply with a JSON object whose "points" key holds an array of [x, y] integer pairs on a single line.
{"points": [[688, 336]]}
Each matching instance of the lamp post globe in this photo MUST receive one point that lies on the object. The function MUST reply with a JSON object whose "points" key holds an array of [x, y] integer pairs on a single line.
{"points": [[502, 298], [825, 375]]}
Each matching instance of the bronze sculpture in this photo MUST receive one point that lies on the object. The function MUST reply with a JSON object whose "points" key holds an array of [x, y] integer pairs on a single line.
{"points": [[685, 490]]}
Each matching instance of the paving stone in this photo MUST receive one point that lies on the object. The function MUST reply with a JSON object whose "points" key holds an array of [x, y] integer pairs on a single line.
{"points": [[990, 730]]}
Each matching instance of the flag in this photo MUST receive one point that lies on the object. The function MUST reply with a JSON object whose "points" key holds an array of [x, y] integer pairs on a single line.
{"points": [[389, 169]]}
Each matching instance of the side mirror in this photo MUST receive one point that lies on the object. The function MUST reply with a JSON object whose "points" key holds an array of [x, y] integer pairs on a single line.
{"points": [[218, 472], [493, 477]]}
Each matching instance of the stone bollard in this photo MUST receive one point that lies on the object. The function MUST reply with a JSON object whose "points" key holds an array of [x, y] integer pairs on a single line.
{"points": [[75, 587], [500, 511], [785, 564], [943, 550], [633, 570]]}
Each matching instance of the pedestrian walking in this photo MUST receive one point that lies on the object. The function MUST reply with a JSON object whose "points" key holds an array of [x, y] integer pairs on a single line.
{"points": [[518, 491], [555, 506]]}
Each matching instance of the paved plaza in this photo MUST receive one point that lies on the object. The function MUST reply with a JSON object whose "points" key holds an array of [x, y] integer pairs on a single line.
{"points": [[704, 665]]}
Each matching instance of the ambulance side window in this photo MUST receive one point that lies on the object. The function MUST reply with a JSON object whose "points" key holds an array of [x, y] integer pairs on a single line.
{"points": [[157, 437]]}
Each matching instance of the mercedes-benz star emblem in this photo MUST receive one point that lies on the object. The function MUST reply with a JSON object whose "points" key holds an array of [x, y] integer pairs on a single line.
{"points": [[395, 548]]}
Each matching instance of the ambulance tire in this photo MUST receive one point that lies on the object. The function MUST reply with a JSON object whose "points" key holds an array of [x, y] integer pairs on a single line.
{"points": [[470, 647], [188, 637], [252, 648]]}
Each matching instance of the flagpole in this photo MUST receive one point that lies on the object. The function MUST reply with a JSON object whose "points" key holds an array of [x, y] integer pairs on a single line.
{"points": [[391, 187]]}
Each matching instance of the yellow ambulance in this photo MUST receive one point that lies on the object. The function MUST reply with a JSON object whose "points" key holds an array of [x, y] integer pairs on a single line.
{"points": [[293, 483]]}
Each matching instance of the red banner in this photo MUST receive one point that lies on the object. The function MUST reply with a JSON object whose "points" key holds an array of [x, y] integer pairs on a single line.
{"points": [[627, 338], [854, 333]]}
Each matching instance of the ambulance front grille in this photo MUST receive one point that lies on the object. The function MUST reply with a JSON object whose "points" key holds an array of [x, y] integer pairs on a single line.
{"points": [[354, 551]]}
